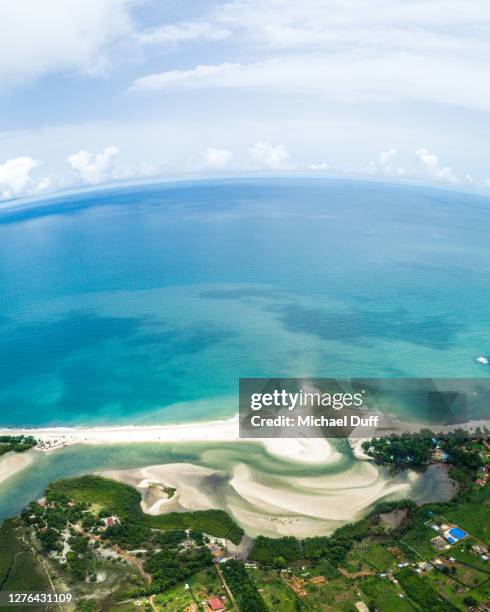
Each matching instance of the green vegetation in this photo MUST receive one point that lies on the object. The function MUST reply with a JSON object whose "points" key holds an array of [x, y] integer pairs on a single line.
{"points": [[174, 599], [462, 552], [242, 587], [376, 556], [17, 444], [473, 518], [384, 596], [421, 593], [418, 537], [92, 530], [201, 586], [275, 552], [338, 595], [168, 569], [129, 535], [170, 539], [415, 449], [335, 548], [407, 448], [206, 584], [454, 591], [19, 568], [274, 590], [124, 501], [169, 491]]}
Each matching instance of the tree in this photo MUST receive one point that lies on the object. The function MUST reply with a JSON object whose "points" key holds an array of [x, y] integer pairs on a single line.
{"points": [[279, 562]]}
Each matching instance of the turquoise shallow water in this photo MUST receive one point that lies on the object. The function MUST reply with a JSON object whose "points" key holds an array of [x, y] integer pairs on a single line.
{"points": [[147, 304]]}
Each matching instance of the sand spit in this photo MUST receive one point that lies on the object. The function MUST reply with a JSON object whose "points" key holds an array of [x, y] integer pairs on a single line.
{"points": [[306, 450], [12, 463], [268, 504]]}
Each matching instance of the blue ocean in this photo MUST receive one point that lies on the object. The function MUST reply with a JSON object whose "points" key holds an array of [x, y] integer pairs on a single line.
{"points": [[146, 304]]}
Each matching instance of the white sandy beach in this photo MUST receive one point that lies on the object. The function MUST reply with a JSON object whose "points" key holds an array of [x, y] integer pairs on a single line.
{"points": [[12, 463], [304, 450], [264, 504]]}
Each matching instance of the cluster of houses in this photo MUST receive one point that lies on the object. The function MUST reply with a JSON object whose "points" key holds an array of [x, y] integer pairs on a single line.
{"points": [[480, 551], [216, 546], [448, 535]]}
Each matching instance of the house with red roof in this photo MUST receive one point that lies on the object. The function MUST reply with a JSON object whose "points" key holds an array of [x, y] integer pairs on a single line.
{"points": [[215, 603], [111, 521]]}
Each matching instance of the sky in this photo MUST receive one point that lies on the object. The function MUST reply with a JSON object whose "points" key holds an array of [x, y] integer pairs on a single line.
{"points": [[99, 91]]}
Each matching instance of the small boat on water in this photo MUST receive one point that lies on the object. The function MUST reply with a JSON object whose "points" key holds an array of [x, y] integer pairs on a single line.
{"points": [[482, 359]]}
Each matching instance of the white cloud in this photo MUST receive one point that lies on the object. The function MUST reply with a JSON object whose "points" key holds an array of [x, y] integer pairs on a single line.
{"points": [[433, 169], [354, 51], [269, 156], [190, 79], [344, 77], [427, 167], [15, 176], [47, 183], [40, 37], [182, 32], [384, 166], [428, 160], [216, 158], [321, 166], [385, 157], [320, 23], [94, 169]]}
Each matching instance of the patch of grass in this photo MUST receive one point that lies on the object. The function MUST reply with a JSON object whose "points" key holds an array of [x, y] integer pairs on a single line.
{"points": [[462, 552], [275, 592], [19, 568], [206, 584], [418, 538], [447, 587], [124, 501], [482, 593], [377, 556], [452, 588], [335, 595], [355, 562], [473, 518], [422, 593], [175, 599], [325, 569], [469, 576], [384, 596]]}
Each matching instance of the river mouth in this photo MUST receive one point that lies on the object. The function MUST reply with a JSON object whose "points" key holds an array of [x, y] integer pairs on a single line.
{"points": [[265, 494]]}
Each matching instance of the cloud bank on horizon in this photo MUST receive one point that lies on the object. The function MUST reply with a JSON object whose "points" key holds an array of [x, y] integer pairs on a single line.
{"points": [[96, 91]]}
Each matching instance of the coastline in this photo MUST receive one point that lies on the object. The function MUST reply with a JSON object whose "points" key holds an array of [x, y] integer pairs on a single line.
{"points": [[262, 501], [12, 463], [303, 450]]}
